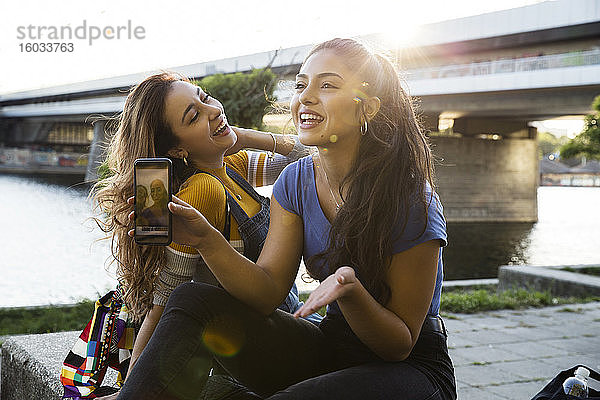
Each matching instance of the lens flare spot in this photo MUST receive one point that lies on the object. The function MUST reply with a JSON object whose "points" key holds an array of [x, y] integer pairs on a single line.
{"points": [[359, 95], [325, 150], [224, 336], [219, 344], [333, 138]]}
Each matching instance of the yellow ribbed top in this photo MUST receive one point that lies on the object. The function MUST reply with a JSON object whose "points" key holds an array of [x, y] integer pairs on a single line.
{"points": [[206, 194]]}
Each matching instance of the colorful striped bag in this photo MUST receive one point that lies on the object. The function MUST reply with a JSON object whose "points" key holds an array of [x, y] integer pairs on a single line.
{"points": [[106, 341]]}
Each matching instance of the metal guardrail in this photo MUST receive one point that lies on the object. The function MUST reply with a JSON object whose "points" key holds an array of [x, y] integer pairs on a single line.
{"points": [[565, 60]]}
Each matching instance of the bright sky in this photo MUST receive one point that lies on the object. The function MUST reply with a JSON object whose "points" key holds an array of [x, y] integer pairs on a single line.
{"points": [[180, 32], [570, 127]]}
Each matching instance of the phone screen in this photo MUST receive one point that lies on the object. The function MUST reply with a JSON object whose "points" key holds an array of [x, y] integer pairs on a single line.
{"points": [[152, 194]]}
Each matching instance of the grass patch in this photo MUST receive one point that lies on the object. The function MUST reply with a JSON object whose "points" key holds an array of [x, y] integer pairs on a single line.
{"points": [[15, 321], [571, 310], [471, 301], [591, 270], [304, 297]]}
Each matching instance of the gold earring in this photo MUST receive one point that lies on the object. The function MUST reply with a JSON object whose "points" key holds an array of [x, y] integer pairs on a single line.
{"points": [[185, 161], [364, 127]]}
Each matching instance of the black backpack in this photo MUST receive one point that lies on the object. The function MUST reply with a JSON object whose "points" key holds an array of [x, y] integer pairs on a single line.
{"points": [[554, 389]]}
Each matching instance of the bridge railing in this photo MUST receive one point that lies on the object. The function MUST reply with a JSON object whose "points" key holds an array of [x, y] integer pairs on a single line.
{"points": [[564, 60]]}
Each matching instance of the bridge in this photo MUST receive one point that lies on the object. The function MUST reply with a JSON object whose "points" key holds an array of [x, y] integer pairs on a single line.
{"points": [[479, 82]]}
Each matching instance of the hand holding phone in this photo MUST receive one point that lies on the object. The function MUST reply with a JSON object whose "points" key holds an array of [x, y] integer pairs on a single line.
{"points": [[153, 191]]}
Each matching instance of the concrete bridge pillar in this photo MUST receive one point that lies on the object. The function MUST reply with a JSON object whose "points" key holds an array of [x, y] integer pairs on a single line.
{"points": [[481, 180], [96, 156]]}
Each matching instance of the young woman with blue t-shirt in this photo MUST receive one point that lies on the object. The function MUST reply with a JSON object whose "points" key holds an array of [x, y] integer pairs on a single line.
{"points": [[364, 216]]}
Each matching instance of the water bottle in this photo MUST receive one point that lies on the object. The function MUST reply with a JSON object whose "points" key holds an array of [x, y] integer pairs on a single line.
{"points": [[577, 385]]}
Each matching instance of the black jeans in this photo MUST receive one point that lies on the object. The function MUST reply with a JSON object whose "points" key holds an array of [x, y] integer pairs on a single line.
{"points": [[278, 356]]}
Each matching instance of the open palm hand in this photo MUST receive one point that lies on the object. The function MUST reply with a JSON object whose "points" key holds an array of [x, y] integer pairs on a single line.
{"points": [[336, 286]]}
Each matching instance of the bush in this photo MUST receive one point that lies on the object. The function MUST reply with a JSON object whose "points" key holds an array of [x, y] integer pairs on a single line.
{"points": [[587, 143], [245, 96]]}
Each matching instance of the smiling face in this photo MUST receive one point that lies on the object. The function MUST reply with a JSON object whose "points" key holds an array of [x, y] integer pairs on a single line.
{"points": [[198, 121], [158, 192], [141, 196], [325, 107]]}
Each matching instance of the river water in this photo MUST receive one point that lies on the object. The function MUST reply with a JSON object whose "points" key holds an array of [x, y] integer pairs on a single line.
{"points": [[51, 252]]}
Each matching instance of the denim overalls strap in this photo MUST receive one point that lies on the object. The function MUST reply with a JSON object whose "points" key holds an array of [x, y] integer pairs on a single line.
{"points": [[253, 230]]}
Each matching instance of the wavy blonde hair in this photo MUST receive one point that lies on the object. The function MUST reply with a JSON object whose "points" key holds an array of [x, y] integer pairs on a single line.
{"points": [[141, 131]]}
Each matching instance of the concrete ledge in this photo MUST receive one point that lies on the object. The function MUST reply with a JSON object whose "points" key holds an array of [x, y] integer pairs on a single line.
{"points": [[31, 365], [449, 286], [552, 278], [30, 368]]}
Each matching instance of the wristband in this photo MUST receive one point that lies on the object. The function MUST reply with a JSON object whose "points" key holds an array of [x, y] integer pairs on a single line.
{"points": [[272, 153]]}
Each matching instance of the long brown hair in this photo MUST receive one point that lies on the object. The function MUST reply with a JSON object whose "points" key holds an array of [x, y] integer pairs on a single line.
{"points": [[388, 175], [142, 131]]}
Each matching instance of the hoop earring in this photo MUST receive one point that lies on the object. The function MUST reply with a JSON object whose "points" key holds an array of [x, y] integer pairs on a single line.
{"points": [[364, 128], [185, 161]]}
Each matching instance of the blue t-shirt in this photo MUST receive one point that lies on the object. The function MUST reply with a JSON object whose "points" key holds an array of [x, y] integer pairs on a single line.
{"points": [[295, 190]]}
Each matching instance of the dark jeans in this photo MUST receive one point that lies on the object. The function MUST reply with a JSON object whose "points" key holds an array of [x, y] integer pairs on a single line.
{"points": [[277, 356]]}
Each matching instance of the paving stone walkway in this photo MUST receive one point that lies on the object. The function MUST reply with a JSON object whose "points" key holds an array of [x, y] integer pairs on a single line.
{"points": [[513, 354]]}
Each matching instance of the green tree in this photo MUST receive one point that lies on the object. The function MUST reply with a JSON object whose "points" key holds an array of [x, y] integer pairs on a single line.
{"points": [[587, 143], [245, 96]]}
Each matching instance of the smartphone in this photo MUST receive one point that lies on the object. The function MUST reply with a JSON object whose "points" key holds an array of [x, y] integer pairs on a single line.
{"points": [[153, 188]]}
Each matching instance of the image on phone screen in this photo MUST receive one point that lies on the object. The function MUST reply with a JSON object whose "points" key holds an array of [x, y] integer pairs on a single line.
{"points": [[151, 199]]}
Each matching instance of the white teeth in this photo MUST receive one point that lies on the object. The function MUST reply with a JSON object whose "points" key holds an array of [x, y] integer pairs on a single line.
{"points": [[220, 128], [307, 116]]}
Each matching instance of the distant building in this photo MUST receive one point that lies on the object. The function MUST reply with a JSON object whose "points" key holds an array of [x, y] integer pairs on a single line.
{"points": [[555, 173]]}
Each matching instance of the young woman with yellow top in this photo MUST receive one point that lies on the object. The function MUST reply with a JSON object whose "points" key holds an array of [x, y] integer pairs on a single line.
{"points": [[167, 116]]}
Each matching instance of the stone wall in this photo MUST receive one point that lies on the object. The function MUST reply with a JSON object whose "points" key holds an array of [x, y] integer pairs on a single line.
{"points": [[481, 180]]}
